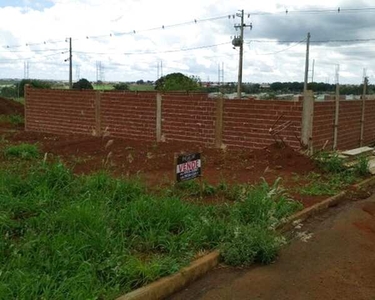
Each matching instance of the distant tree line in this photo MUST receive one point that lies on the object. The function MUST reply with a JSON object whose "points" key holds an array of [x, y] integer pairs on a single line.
{"points": [[181, 82], [291, 88], [17, 90]]}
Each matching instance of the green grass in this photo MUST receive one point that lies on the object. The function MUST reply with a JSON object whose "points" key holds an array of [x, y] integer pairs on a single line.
{"points": [[64, 236], [23, 151], [330, 162], [330, 185], [20, 100], [103, 87], [141, 87], [336, 176], [13, 119]]}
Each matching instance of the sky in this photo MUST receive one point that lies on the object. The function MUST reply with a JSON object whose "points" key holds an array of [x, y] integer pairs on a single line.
{"points": [[129, 40]]}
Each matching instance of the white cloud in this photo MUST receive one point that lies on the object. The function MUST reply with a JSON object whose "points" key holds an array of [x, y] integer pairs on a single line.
{"points": [[263, 62]]}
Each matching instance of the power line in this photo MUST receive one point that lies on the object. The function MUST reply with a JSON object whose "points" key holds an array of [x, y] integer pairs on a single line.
{"points": [[25, 51], [196, 21], [33, 57], [344, 41], [283, 50], [134, 31], [156, 52], [338, 10], [312, 41]]}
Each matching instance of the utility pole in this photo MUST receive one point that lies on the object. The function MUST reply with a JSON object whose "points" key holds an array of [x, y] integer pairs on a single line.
{"points": [[365, 82], [78, 74], [220, 74], [307, 62], [238, 42], [70, 65], [337, 107], [313, 71], [26, 68]]}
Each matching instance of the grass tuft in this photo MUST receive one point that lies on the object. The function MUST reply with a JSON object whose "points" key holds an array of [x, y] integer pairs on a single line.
{"points": [[13, 119], [330, 162], [23, 151]]}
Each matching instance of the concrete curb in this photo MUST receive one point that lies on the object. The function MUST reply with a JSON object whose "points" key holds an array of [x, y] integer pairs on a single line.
{"points": [[166, 286], [321, 206]]}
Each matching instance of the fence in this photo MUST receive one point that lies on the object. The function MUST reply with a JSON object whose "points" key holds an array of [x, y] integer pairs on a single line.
{"points": [[195, 118]]}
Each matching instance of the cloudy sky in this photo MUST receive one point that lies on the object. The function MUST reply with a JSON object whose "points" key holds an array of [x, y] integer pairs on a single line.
{"points": [[130, 38]]}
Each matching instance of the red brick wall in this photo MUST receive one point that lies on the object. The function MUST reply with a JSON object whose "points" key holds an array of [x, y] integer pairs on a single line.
{"points": [[188, 118], [349, 129], [247, 122], [60, 111], [129, 115], [369, 132], [349, 124], [323, 124]]}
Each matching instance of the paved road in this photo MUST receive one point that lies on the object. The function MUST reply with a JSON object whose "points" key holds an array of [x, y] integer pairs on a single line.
{"points": [[332, 257]]}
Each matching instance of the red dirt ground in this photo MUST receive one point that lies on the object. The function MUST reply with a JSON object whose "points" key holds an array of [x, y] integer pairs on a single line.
{"points": [[155, 162], [10, 107]]}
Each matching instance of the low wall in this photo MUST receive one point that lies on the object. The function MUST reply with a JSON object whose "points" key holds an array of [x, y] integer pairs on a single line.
{"points": [[181, 117]]}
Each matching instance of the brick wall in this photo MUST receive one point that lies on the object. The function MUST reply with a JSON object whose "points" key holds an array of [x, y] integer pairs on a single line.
{"points": [[349, 129], [60, 111], [128, 115], [188, 118], [323, 124], [369, 132], [247, 122]]}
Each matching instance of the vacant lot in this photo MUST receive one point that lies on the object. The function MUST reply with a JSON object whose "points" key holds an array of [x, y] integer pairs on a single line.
{"points": [[94, 217]]}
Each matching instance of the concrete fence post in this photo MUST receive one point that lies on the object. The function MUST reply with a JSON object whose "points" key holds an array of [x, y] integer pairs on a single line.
{"points": [[158, 117], [336, 124], [219, 122], [98, 117], [307, 120], [25, 92], [362, 121]]}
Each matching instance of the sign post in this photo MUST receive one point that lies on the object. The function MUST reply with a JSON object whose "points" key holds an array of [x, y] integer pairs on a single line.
{"points": [[187, 167]]}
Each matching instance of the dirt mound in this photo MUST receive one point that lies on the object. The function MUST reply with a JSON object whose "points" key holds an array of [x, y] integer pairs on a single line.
{"points": [[284, 157], [10, 107]]}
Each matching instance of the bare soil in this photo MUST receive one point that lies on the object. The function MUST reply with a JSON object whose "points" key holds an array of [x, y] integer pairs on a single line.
{"points": [[10, 107], [155, 162], [331, 257]]}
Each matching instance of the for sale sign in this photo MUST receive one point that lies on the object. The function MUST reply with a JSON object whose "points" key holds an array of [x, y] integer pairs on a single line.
{"points": [[188, 167]]}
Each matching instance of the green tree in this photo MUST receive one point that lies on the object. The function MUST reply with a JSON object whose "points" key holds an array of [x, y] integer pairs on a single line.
{"points": [[39, 84], [9, 92], [122, 86], [177, 82], [82, 84]]}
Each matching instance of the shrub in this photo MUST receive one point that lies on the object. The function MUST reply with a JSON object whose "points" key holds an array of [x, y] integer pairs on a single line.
{"points": [[39, 84], [121, 87], [82, 84]]}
